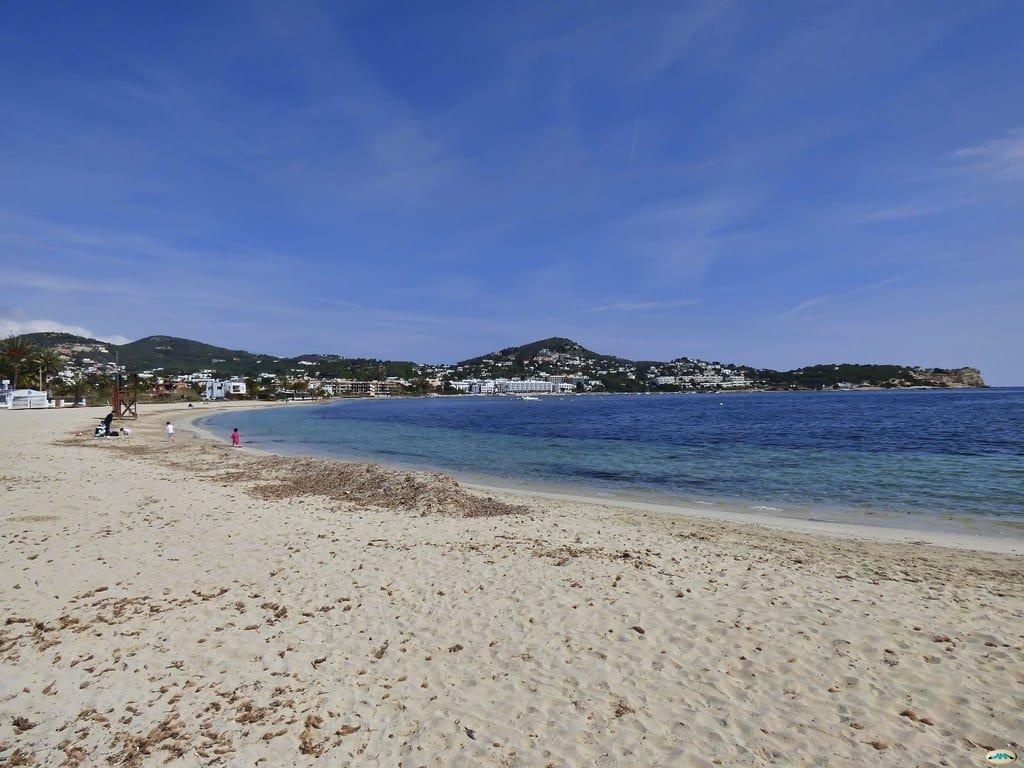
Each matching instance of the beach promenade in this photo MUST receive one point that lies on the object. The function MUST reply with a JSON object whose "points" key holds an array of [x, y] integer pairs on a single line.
{"points": [[185, 603]]}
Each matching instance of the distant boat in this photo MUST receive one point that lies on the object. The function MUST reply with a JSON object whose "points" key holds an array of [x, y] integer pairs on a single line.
{"points": [[528, 397]]}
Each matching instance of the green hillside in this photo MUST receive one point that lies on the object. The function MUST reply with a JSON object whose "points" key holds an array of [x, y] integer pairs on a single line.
{"points": [[554, 355], [525, 352], [173, 355], [170, 353]]}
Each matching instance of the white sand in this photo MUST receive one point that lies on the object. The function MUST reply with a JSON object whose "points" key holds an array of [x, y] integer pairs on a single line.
{"points": [[156, 612]]}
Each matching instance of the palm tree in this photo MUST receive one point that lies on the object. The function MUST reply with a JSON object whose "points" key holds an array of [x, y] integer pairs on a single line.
{"points": [[16, 353], [49, 361], [75, 387]]}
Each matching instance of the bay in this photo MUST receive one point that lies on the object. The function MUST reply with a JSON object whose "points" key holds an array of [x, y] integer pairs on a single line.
{"points": [[948, 459]]}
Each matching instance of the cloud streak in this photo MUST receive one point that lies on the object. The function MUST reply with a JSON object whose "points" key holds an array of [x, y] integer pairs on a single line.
{"points": [[999, 159], [828, 298], [805, 305], [645, 306], [535, 170]]}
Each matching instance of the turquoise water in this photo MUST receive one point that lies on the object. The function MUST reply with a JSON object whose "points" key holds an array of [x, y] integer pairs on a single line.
{"points": [[920, 459]]}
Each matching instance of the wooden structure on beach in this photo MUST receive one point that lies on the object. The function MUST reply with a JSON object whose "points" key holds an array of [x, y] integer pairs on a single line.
{"points": [[125, 398]]}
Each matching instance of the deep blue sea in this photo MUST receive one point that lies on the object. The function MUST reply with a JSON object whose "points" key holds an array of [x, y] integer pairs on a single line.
{"points": [[922, 459]]}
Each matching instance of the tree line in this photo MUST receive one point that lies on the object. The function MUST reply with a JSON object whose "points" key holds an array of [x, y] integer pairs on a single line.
{"points": [[20, 358]]}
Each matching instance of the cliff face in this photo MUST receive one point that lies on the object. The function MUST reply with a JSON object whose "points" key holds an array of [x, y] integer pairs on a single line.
{"points": [[956, 378]]}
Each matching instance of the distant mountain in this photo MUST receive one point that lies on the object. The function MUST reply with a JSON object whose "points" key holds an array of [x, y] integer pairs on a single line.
{"points": [[77, 349], [554, 355], [175, 355], [565, 356], [556, 345], [166, 352], [892, 376], [172, 353]]}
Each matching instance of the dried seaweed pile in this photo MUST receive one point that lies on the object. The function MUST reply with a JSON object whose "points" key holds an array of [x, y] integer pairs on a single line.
{"points": [[428, 493]]}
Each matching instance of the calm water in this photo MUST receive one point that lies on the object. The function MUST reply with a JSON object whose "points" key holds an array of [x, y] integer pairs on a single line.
{"points": [[917, 458]]}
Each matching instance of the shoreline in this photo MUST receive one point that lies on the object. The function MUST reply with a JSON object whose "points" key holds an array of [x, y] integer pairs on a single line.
{"points": [[996, 536], [188, 603]]}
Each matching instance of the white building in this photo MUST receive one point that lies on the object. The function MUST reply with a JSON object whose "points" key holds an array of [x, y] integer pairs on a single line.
{"points": [[527, 386], [474, 386], [706, 379], [17, 399], [352, 387], [220, 390], [736, 381]]}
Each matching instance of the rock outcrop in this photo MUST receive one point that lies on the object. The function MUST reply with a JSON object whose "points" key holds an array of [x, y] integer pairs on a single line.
{"points": [[956, 378]]}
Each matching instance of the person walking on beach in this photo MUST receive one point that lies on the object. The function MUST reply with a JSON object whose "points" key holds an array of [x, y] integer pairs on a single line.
{"points": [[235, 438], [170, 431]]}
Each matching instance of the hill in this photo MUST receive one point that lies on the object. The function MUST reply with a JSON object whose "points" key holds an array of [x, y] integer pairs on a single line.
{"points": [[520, 354], [885, 376], [153, 352], [551, 349], [553, 356], [75, 348], [172, 355]]}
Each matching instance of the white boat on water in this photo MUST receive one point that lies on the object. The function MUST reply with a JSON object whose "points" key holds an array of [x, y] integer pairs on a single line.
{"points": [[528, 397]]}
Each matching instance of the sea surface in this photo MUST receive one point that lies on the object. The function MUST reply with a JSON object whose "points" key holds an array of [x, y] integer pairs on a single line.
{"points": [[920, 459]]}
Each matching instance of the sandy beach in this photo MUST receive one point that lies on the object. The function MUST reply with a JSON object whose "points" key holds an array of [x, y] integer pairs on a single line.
{"points": [[187, 603]]}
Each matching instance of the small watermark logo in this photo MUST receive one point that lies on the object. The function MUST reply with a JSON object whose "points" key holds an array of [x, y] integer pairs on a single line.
{"points": [[1000, 757]]}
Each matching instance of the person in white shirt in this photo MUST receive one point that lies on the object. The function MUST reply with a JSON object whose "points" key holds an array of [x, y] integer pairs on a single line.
{"points": [[170, 431]]}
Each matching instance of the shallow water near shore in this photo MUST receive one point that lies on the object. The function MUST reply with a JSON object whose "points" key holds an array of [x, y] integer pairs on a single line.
{"points": [[922, 459]]}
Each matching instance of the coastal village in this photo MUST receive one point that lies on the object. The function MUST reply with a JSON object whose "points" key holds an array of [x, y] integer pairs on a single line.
{"points": [[304, 381], [79, 370]]}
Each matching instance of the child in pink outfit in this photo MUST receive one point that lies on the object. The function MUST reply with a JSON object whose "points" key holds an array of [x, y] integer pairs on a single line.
{"points": [[236, 438]]}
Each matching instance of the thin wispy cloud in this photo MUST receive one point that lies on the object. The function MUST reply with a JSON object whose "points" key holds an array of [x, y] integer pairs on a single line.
{"points": [[678, 242], [902, 213], [645, 306], [876, 286], [54, 282], [999, 158], [808, 304], [293, 185], [859, 291], [983, 174]]}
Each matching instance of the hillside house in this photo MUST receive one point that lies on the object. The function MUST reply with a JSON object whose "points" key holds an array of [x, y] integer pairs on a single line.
{"points": [[223, 390], [170, 388]]}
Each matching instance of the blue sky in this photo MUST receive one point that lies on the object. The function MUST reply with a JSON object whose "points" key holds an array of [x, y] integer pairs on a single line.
{"points": [[775, 184]]}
